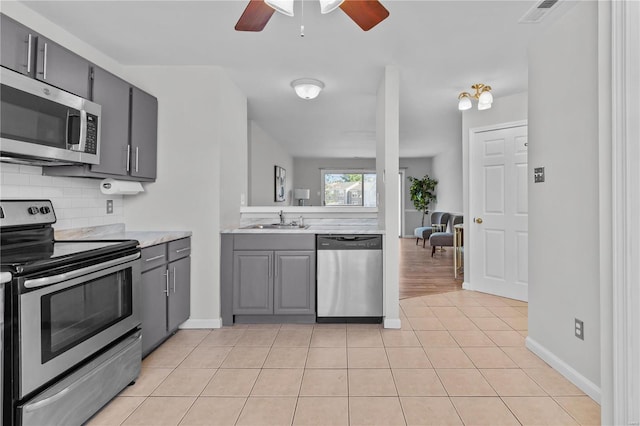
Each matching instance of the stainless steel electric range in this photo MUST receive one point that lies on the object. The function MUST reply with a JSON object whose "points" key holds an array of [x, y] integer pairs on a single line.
{"points": [[71, 319]]}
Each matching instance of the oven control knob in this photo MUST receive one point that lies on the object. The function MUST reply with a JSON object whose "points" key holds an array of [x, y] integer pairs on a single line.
{"points": [[33, 210], [45, 210]]}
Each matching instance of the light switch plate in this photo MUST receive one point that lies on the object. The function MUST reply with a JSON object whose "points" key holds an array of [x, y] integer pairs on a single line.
{"points": [[538, 174], [109, 206]]}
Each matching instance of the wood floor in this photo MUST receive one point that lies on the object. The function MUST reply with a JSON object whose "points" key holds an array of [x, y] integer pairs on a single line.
{"points": [[422, 274]]}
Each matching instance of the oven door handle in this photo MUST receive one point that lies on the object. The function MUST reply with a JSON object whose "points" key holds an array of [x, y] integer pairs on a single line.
{"points": [[54, 279]]}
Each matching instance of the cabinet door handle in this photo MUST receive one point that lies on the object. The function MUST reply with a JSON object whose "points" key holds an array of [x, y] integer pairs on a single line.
{"points": [[154, 258], [166, 290], [183, 249], [29, 44], [44, 68], [137, 156], [128, 156], [174, 279]]}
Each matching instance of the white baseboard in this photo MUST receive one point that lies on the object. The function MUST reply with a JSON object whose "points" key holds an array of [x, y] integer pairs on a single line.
{"points": [[584, 384], [466, 286], [202, 323], [392, 323]]}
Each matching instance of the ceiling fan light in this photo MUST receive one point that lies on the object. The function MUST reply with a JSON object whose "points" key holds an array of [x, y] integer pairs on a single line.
{"points": [[482, 107], [328, 6], [307, 88], [283, 6], [465, 102]]}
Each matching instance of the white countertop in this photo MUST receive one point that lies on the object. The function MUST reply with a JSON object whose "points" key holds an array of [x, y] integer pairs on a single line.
{"points": [[118, 232], [148, 238], [312, 229]]}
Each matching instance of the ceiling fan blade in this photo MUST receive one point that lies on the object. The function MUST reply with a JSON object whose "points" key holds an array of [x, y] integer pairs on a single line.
{"points": [[366, 13], [255, 16]]}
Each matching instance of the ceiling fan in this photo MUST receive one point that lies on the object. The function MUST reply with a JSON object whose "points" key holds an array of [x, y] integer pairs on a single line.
{"points": [[366, 13]]}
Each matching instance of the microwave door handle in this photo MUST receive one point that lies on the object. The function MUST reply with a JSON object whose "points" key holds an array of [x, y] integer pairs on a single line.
{"points": [[83, 131], [67, 130]]}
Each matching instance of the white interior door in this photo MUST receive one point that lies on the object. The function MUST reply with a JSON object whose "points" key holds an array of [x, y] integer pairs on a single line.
{"points": [[498, 236]]}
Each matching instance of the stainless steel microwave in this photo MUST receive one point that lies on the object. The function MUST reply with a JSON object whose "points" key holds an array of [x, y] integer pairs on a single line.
{"points": [[41, 124]]}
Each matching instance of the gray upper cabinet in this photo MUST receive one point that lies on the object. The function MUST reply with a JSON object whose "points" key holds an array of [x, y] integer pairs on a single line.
{"points": [[62, 68], [17, 46], [113, 94], [144, 134], [129, 135], [179, 292], [253, 282], [294, 276]]}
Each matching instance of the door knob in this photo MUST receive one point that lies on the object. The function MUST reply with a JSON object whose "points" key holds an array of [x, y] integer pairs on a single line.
{"points": [[478, 220]]}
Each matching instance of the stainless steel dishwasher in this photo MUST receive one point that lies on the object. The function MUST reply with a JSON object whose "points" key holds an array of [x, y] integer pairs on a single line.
{"points": [[349, 277]]}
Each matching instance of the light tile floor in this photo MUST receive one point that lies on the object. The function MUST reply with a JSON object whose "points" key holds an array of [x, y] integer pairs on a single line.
{"points": [[458, 359]]}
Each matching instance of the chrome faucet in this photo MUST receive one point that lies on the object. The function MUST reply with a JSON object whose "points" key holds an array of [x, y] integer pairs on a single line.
{"points": [[281, 217]]}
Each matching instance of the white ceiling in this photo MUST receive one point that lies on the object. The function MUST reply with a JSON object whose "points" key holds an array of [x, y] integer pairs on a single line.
{"points": [[440, 48]]}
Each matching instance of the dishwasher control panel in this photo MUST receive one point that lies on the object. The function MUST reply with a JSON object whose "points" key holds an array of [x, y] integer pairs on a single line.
{"points": [[349, 242]]}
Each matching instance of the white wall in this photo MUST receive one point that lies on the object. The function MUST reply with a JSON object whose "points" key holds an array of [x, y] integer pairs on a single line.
{"points": [[447, 168], [265, 153], [188, 193], [563, 138], [387, 169], [232, 124]]}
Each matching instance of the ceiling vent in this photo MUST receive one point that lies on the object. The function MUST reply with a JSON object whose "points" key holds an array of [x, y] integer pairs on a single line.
{"points": [[538, 12]]}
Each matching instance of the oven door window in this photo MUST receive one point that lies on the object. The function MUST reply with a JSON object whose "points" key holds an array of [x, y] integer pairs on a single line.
{"points": [[75, 314]]}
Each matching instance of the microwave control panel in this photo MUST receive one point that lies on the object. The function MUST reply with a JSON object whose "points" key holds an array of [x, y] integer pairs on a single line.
{"points": [[91, 145]]}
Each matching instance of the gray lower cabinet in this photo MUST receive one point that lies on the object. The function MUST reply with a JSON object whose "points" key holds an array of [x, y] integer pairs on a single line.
{"points": [[166, 290], [253, 282], [268, 276], [179, 292], [294, 282]]}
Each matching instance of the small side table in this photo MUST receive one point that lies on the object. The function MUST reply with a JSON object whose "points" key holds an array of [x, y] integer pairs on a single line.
{"points": [[458, 249]]}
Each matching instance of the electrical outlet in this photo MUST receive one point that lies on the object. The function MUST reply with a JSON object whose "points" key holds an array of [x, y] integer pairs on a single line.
{"points": [[538, 174], [579, 329], [109, 206]]}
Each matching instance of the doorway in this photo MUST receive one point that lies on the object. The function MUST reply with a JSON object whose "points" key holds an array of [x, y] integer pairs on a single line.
{"points": [[498, 209]]}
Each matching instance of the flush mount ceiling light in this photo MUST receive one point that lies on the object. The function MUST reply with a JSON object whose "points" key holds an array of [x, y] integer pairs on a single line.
{"points": [[307, 88], [482, 94]]}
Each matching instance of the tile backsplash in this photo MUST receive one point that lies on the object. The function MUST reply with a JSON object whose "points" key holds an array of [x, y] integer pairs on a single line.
{"points": [[77, 202]]}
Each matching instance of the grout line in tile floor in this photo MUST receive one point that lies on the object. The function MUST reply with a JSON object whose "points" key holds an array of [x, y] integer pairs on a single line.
{"points": [[452, 335]]}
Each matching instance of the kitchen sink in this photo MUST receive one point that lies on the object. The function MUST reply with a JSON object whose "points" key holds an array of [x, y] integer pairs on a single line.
{"points": [[276, 226]]}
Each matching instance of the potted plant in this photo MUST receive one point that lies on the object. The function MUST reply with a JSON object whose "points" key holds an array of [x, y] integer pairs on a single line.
{"points": [[422, 193]]}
